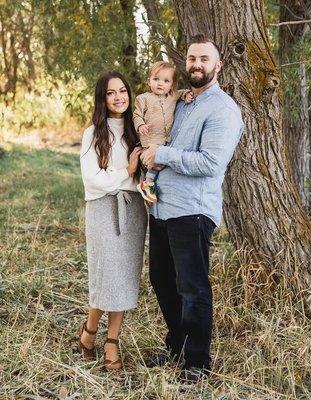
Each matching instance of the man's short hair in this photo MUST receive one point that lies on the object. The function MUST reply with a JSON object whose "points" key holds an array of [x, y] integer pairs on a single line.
{"points": [[201, 38]]}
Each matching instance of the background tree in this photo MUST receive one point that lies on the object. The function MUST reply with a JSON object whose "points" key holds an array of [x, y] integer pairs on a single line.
{"points": [[153, 20], [166, 36], [295, 47], [17, 21], [263, 211], [129, 46]]}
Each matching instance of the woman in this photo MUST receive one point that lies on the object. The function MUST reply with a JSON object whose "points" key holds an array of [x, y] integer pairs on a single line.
{"points": [[115, 215]]}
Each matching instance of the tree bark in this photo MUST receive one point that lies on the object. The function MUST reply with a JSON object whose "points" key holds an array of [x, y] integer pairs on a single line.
{"points": [[262, 208], [296, 126]]}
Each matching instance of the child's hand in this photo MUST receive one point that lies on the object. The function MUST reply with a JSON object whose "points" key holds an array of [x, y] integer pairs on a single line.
{"points": [[143, 129], [188, 97]]}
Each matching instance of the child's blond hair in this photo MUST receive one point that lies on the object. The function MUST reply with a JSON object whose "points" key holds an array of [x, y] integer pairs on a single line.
{"points": [[158, 65]]}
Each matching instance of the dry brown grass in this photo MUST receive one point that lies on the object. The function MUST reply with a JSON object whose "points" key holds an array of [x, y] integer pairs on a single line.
{"points": [[261, 344]]}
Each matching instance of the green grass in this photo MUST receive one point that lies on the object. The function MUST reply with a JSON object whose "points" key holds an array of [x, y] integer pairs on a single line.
{"points": [[261, 344]]}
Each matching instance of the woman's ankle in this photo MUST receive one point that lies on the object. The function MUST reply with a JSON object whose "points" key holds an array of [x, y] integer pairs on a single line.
{"points": [[91, 329]]}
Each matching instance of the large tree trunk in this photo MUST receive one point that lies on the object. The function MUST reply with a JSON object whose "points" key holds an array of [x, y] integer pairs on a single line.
{"points": [[296, 125], [262, 207]]}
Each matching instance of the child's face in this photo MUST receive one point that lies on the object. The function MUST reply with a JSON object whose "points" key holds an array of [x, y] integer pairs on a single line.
{"points": [[161, 82]]}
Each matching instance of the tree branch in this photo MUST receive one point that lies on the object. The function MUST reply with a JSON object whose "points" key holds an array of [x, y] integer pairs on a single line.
{"points": [[306, 21], [295, 63]]}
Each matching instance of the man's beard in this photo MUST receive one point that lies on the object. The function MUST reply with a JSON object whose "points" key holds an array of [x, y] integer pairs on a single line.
{"points": [[206, 77]]}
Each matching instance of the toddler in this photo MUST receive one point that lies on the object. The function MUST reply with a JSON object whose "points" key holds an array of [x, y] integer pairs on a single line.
{"points": [[154, 115]]}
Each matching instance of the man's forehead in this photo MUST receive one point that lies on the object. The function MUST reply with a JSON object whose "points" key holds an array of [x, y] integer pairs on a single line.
{"points": [[202, 49]]}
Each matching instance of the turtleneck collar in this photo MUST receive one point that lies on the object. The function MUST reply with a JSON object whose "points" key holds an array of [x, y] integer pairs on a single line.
{"points": [[117, 123]]}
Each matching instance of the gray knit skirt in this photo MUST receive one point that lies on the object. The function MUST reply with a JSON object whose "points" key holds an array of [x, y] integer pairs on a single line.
{"points": [[115, 237]]}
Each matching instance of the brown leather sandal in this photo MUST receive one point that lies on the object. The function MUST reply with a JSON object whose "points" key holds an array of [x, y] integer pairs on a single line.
{"points": [[112, 365], [88, 354]]}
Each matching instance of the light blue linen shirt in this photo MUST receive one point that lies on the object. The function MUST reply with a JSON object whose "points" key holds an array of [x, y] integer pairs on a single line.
{"points": [[205, 134]]}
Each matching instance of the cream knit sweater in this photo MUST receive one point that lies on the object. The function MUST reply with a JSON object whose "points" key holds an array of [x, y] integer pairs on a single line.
{"points": [[99, 182]]}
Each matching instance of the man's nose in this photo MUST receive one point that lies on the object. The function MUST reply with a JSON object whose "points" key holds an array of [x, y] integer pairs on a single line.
{"points": [[197, 64]]}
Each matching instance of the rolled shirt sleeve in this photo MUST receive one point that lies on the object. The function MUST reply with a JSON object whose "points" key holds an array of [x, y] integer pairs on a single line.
{"points": [[220, 136]]}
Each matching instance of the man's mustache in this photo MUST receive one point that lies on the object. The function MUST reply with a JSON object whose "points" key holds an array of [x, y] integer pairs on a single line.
{"points": [[195, 70]]}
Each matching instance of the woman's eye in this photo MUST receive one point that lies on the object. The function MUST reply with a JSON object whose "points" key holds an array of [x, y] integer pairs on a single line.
{"points": [[123, 91], [109, 93]]}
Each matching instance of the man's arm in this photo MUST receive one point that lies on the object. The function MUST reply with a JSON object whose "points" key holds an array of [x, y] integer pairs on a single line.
{"points": [[220, 136]]}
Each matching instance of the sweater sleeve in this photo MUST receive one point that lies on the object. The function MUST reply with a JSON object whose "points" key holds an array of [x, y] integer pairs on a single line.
{"points": [[97, 181], [139, 111]]}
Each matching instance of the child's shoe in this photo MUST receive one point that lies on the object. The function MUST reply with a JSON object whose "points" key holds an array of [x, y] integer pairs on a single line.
{"points": [[147, 190]]}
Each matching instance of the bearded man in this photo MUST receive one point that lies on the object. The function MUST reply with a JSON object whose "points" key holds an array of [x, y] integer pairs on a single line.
{"points": [[205, 134]]}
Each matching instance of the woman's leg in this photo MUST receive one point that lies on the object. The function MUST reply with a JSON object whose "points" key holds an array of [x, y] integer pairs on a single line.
{"points": [[92, 326], [114, 324]]}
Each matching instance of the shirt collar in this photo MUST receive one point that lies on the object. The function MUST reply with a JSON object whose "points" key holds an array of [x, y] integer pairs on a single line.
{"points": [[207, 92]]}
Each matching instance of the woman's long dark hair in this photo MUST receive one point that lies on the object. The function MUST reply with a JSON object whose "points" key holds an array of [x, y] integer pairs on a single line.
{"points": [[102, 134]]}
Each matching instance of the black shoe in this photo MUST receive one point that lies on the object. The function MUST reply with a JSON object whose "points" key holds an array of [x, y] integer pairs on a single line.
{"points": [[157, 361], [191, 375]]}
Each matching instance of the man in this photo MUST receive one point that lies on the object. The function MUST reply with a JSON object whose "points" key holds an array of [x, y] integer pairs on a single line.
{"points": [[204, 136]]}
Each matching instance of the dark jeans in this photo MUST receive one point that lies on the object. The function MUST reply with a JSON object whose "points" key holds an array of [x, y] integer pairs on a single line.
{"points": [[179, 267]]}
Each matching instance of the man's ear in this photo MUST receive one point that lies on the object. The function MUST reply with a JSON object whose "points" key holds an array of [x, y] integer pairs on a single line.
{"points": [[218, 66]]}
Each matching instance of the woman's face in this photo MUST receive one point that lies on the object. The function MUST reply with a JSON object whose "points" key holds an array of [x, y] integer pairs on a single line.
{"points": [[117, 98]]}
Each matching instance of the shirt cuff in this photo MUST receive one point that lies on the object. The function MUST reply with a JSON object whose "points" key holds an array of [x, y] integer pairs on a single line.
{"points": [[162, 155]]}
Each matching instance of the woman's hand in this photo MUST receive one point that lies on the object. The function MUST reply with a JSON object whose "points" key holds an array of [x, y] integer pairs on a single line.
{"points": [[133, 161]]}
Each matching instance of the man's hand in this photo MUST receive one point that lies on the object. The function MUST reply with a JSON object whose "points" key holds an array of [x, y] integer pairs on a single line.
{"points": [[148, 156], [158, 167]]}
